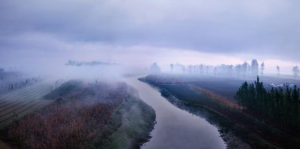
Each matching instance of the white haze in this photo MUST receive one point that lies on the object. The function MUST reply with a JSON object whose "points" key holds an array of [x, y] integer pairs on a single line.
{"points": [[39, 37]]}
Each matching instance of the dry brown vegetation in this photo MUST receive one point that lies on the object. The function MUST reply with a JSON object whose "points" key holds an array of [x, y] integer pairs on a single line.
{"points": [[68, 123], [223, 100]]}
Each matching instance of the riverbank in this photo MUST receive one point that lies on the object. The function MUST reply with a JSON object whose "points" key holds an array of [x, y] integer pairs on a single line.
{"points": [[232, 140], [228, 120], [176, 128], [129, 126]]}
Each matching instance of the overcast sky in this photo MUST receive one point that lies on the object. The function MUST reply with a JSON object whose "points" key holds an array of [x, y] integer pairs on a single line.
{"points": [[139, 32]]}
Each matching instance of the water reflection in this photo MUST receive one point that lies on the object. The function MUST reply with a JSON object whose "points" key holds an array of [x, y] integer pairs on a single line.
{"points": [[176, 128]]}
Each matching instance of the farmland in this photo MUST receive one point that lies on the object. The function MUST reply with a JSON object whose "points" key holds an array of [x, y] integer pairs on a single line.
{"points": [[227, 87], [217, 96], [11, 81], [74, 115], [16, 104], [224, 86]]}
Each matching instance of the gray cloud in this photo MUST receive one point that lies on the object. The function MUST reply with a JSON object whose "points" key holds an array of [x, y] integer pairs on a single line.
{"points": [[261, 28]]}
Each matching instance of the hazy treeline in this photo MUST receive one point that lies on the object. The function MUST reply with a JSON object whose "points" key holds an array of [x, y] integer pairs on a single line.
{"points": [[20, 84], [278, 107], [83, 63], [8, 69], [239, 70], [154, 68]]}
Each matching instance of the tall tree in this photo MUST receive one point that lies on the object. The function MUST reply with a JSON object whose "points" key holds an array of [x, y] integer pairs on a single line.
{"points": [[295, 71], [238, 69], [276, 107], [278, 70], [230, 70], [171, 65], [183, 69], [154, 68], [254, 67], [262, 68], [201, 69], [195, 69], [207, 68], [244, 69], [190, 69]]}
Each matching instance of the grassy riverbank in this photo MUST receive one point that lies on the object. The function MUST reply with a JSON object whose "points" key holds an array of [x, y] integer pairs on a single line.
{"points": [[228, 120], [129, 126], [101, 115]]}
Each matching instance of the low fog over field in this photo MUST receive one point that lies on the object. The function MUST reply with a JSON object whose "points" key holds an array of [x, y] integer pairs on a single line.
{"points": [[230, 66]]}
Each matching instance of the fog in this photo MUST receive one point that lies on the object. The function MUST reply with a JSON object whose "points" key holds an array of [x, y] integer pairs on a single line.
{"points": [[65, 53], [41, 36]]}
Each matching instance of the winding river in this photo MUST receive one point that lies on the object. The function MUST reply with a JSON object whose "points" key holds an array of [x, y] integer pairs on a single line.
{"points": [[176, 128]]}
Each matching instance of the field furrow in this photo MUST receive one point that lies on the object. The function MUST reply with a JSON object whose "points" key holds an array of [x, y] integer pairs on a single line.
{"points": [[15, 112], [18, 103], [25, 95], [15, 107], [22, 113], [35, 96], [11, 104], [8, 103], [21, 91]]}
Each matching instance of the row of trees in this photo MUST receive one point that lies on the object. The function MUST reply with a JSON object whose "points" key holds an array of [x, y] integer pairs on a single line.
{"points": [[277, 107], [83, 63], [16, 85], [239, 70]]}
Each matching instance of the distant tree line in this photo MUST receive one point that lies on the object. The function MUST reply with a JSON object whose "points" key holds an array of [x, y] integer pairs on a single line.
{"points": [[239, 70], [83, 63], [277, 107], [17, 85]]}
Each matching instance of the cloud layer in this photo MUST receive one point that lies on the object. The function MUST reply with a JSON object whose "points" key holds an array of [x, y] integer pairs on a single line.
{"points": [[266, 29]]}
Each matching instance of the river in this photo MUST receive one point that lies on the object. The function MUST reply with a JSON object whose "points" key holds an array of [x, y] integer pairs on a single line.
{"points": [[176, 128]]}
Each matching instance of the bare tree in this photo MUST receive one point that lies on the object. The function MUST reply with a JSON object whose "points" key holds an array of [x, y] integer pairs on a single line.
{"points": [[154, 68], [183, 69], [278, 70], [262, 68], [244, 69], [207, 68], [254, 67], [190, 69], [295, 71], [195, 69], [201, 69], [238, 69]]}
